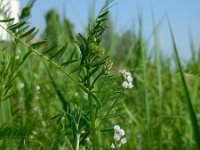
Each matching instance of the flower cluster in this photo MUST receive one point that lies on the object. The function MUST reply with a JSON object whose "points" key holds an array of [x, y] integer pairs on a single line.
{"points": [[108, 66], [118, 137], [128, 79]]}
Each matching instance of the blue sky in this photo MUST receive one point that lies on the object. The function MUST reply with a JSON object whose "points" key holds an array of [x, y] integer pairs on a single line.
{"points": [[183, 16]]}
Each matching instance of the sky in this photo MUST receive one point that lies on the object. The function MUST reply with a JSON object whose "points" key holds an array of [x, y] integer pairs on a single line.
{"points": [[183, 16]]}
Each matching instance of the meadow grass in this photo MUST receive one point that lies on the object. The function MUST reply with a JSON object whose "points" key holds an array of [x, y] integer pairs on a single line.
{"points": [[63, 94]]}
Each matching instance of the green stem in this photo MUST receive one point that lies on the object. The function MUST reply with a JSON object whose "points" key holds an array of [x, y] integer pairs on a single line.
{"points": [[92, 112], [77, 141]]}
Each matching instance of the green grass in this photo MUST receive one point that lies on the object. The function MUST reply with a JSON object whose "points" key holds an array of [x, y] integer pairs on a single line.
{"points": [[78, 104]]}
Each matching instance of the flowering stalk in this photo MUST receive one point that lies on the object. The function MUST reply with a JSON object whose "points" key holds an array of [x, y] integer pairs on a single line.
{"points": [[128, 79], [119, 138]]}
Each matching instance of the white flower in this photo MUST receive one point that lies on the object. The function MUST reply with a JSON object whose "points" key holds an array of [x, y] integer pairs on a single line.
{"points": [[125, 84], [112, 146], [119, 131], [116, 127], [128, 73], [130, 85], [117, 137], [128, 79], [122, 132], [123, 140], [37, 87]]}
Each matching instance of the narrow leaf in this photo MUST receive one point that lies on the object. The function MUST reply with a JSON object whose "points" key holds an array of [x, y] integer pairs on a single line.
{"points": [[50, 49], [7, 20], [103, 14], [27, 33], [193, 117], [61, 51], [32, 36], [68, 62], [37, 44], [16, 26]]}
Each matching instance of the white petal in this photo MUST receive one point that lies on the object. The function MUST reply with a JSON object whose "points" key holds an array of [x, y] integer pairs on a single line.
{"points": [[123, 140], [112, 146]]}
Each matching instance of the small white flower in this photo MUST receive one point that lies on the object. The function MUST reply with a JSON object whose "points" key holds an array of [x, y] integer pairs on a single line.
{"points": [[122, 132], [117, 137], [112, 146], [128, 74], [123, 140], [125, 84], [130, 85], [129, 79], [37, 87], [116, 127]]}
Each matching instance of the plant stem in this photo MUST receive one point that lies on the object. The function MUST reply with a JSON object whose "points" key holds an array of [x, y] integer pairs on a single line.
{"points": [[77, 141], [92, 112]]}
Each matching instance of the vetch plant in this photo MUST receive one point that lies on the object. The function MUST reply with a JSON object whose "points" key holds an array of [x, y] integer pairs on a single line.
{"points": [[88, 66]]}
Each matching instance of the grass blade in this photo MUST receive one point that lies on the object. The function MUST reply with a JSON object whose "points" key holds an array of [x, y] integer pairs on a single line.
{"points": [[192, 113]]}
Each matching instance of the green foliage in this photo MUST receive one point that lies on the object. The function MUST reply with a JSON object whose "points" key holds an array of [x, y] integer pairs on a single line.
{"points": [[191, 111], [14, 132]]}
